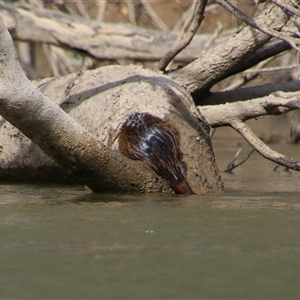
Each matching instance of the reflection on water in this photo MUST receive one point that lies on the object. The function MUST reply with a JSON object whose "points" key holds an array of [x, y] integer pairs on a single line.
{"points": [[64, 242]]}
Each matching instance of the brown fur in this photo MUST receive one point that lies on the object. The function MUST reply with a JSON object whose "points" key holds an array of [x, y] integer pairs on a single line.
{"points": [[156, 142]]}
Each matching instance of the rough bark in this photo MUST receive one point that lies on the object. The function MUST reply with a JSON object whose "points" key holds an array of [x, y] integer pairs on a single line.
{"points": [[218, 63], [273, 104], [114, 92], [55, 132], [99, 101]]}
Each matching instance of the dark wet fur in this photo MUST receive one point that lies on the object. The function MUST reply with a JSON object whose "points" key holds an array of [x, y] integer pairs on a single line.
{"points": [[156, 142]]}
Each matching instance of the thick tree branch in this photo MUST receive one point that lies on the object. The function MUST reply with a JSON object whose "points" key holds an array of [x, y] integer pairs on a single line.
{"points": [[93, 38], [287, 7], [251, 93], [273, 33], [186, 36], [261, 56], [201, 74], [274, 104], [268, 51], [258, 59], [234, 115]]}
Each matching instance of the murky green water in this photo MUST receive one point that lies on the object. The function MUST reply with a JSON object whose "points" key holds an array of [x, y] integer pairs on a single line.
{"points": [[65, 243]]}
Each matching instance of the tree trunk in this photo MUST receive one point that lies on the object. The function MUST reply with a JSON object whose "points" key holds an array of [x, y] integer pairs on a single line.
{"points": [[84, 141]]}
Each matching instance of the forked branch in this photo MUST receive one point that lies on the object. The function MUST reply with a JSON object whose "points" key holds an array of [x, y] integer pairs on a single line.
{"points": [[232, 165], [234, 115]]}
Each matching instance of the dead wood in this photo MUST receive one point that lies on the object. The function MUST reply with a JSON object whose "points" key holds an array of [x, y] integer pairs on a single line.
{"points": [[287, 34], [274, 104], [251, 93], [234, 115], [94, 38], [84, 141], [113, 94], [262, 148], [216, 64], [99, 101], [232, 165]]}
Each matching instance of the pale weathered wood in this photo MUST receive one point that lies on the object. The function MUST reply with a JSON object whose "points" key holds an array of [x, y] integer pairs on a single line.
{"points": [[100, 101], [57, 134], [84, 141], [216, 64], [101, 40]]}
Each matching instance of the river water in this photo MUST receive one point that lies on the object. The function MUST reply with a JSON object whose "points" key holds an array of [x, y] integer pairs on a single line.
{"points": [[62, 242]]}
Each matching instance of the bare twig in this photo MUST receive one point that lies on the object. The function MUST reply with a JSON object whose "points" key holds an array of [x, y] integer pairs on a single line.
{"points": [[215, 35], [131, 12], [186, 16], [296, 4], [251, 74], [101, 10], [188, 33], [290, 31], [231, 166], [261, 147], [158, 22], [81, 8], [251, 93]]}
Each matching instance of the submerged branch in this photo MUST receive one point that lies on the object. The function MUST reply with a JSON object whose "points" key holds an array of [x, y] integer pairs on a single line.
{"points": [[231, 166]]}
